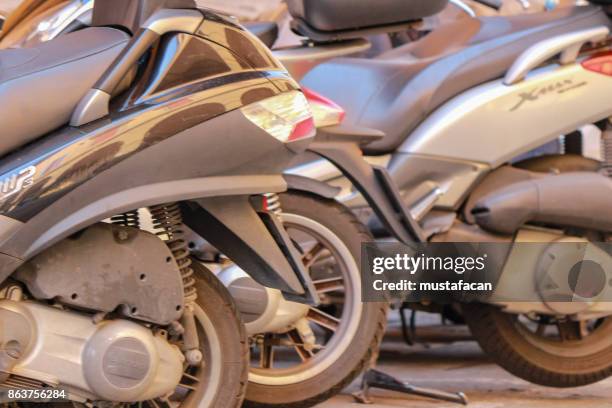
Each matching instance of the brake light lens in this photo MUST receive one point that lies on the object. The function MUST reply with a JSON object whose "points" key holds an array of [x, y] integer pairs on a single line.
{"points": [[602, 64], [325, 111], [287, 116]]}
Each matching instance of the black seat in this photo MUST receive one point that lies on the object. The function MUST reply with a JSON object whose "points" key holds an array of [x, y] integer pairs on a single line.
{"points": [[266, 32], [342, 15], [41, 86], [397, 90]]}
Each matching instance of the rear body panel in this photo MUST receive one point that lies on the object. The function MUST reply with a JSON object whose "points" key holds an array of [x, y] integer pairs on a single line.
{"points": [[176, 133], [494, 123]]}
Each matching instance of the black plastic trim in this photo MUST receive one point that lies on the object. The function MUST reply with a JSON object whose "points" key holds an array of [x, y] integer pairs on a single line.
{"points": [[374, 183]]}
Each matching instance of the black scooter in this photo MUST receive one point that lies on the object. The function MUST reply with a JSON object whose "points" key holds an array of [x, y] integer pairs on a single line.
{"points": [[164, 106]]}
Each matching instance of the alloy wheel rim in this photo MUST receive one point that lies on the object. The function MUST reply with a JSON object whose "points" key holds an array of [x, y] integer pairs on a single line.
{"points": [[346, 325]]}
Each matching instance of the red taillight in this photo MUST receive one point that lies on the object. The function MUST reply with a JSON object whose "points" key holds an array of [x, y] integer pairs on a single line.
{"points": [[286, 116], [601, 63], [303, 129], [325, 111]]}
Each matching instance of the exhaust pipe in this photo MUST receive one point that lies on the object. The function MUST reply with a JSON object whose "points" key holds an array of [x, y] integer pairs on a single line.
{"points": [[553, 200]]}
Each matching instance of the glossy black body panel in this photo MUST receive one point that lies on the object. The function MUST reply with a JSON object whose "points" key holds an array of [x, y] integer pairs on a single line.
{"points": [[176, 133], [131, 14], [228, 34], [70, 157]]}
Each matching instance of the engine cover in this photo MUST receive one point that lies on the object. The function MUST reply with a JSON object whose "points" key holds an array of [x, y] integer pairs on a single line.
{"points": [[550, 200], [547, 272], [105, 267], [114, 360]]}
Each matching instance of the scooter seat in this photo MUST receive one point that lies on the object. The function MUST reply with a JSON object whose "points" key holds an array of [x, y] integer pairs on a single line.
{"points": [[41, 86], [345, 15], [399, 89]]}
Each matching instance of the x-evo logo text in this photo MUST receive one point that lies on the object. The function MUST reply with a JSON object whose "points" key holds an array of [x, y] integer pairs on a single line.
{"points": [[550, 89]]}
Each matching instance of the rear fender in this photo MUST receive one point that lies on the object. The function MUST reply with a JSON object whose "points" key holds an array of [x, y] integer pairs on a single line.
{"points": [[300, 183], [256, 242]]}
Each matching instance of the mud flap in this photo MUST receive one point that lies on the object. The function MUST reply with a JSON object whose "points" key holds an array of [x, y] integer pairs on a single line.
{"points": [[255, 242], [340, 145]]}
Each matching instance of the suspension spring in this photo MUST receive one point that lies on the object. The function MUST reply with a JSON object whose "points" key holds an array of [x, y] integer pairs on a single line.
{"points": [[127, 219], [606, 150], [273, 204], [168, 224]]}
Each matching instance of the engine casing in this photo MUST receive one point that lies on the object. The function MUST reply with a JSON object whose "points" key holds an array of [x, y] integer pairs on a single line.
{"points": [[113, 360]]}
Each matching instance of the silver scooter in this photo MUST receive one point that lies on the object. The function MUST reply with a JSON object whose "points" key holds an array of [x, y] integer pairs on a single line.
{"points": [[442, 123]]}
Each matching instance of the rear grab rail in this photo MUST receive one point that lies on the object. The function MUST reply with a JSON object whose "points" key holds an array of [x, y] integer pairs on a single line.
{"points": [[567, 46], [95, 104]]}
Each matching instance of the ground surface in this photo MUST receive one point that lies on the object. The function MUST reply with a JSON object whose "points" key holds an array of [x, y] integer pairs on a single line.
{"points": [[461, 366]]}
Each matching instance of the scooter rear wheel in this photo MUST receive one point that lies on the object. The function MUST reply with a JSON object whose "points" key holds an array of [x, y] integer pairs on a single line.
{"points": [[553, 353], [329, 237]]}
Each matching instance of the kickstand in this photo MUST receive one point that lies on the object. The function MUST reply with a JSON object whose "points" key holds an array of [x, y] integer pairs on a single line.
{"points": [[376, 379]]}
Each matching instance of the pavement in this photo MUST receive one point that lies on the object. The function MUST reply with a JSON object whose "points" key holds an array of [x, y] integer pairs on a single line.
{"points": [[462, 367]]}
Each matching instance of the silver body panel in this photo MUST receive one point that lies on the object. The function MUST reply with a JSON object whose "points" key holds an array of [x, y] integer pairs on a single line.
{"points": [[482, 129], [493, 123], [448, 179]]}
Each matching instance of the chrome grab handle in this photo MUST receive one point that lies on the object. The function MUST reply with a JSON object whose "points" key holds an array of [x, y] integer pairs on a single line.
{"points": [[568, 45], [463, 7], [95, 104]]}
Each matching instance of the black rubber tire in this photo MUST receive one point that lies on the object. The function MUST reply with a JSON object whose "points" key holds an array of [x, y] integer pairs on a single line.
{"points": [[364, 347], [499, 337], [220, 308]]}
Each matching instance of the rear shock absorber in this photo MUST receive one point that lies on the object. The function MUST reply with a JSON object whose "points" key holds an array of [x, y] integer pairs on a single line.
{"points": [[168, 224], [127, 219], [272, 204]]}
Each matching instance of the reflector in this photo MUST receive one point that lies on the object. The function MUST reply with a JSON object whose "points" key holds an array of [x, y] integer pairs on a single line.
{"points": [[325, 111], [600, 63]]}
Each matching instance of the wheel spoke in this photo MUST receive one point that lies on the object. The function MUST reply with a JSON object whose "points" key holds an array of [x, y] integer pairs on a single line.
{"points": [[191, 377], [323, 319], [295, 337], [311, 256], [188, 387], [329, 285], [572, 330], [266, 353]]}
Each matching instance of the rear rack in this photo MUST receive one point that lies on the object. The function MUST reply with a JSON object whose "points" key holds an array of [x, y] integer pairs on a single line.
{"points": [[568, 46]]}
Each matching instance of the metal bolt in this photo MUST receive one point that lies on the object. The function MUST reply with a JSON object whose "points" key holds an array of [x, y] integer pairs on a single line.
{"points": [[193, 357], [122, 235], [13, 349]]}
